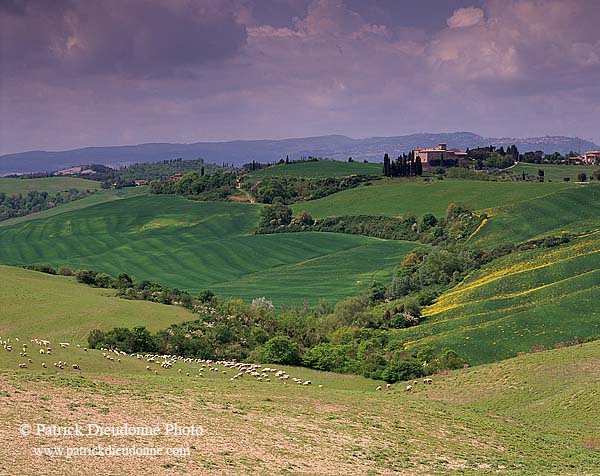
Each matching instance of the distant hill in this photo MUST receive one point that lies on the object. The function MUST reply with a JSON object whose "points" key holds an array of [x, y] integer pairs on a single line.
{"points": [[239, 152]]}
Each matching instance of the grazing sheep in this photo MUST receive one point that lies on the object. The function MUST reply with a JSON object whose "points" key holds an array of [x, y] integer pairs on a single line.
{"points": [[409, 388], [22, 366], [148, 367], [75, 367], [388, 386], [379, 388], [44, 365], [427, 381], [42, 351]]}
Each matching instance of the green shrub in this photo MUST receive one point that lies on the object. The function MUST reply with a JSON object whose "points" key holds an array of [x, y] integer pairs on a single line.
{"points": [[280, 350]]}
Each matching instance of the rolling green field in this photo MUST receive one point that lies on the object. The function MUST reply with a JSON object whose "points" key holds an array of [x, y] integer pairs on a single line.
{"points": [[555, 172], [527, 416], [13, 186], [36, 304], [517, 302], [574, 210], [101, 196], [400, 197], [198, 245], [320, 169]]}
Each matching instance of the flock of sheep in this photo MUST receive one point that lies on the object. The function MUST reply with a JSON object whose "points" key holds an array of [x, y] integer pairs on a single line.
{"points": [[409, 388], [155, 362]]}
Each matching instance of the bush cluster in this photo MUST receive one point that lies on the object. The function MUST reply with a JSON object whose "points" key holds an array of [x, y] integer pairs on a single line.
{"points": [[293, 189], [457, 225]]}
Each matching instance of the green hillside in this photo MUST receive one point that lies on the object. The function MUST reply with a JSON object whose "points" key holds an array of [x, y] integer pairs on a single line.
{"points": [[528, 416], [555, 172], [536, 414], [100, 196], [400, 197], [197, 245], [574, 209], [14, 186], [318, 169], [38, 305], [517, 302]]}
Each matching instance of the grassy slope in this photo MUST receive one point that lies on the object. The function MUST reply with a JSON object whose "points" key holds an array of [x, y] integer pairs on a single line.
{"points": [[519, 301], [320, 169], [12, 186], [36, 304], [573, 209], [400, 197], [195, 245], [99, 197], [533, 415], [555, 172]]}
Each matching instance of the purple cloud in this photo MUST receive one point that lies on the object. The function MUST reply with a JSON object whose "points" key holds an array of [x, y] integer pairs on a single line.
{"points": [[76, 73]]}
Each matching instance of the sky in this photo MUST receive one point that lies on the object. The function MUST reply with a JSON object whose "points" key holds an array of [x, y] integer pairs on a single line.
{"points": [[76, 73]]}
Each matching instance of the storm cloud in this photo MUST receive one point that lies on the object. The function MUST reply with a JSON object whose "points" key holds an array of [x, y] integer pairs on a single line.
{"points": [[80, 72]]}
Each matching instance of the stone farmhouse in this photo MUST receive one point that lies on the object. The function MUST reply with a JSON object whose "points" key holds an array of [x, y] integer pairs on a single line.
{"points": [[439, 155]]}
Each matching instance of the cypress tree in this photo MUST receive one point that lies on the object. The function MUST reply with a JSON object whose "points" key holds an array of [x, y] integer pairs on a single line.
{"points": [[418, 167], [387, 172]]}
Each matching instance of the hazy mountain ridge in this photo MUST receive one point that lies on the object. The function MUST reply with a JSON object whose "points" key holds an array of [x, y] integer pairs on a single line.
{"points": [[242, 151]]}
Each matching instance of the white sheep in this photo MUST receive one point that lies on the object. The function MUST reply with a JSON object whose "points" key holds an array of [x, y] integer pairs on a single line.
{"points": [[409, 388]]}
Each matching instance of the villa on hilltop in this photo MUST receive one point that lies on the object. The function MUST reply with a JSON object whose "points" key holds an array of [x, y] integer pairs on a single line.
{"points": [[439, 155], [591, 157]]}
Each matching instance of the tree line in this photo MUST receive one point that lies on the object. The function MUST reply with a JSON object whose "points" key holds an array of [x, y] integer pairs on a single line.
{"points": [[404, 166], [457, 225], [12, 206]]}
